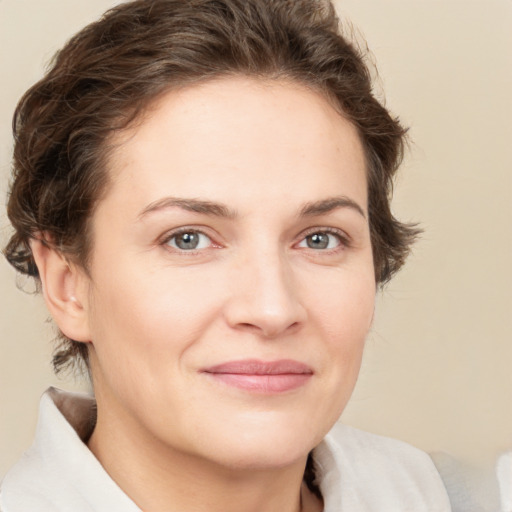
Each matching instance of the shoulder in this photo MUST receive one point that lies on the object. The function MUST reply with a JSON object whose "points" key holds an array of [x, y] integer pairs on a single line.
{"points": [[367, 472], [476, 486], [59, 473], [25, 483]]}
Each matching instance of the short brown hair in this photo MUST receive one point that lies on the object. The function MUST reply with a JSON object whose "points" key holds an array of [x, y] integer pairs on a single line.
{"points": [[108, 73]]}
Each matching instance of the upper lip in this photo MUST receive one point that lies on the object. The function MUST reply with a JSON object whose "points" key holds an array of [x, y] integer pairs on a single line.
{"points": [[257, 367]]}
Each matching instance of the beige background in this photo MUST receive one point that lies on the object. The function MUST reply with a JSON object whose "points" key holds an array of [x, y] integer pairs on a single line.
{"points": [[437, 371]]}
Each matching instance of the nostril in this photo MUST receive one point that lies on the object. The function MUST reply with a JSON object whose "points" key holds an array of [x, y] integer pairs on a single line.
{"points": [[247, 326], [268, 331]]}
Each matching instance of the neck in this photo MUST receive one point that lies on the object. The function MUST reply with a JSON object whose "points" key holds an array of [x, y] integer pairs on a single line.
{"points": [[159, 477]]}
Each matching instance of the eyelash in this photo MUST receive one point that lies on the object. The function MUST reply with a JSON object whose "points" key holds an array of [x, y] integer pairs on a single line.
{"points": [[343, 239], [186, 230]]}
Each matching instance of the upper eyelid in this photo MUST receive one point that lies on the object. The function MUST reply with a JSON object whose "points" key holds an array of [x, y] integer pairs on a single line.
{"points": [[168, 235], [325, 229]]}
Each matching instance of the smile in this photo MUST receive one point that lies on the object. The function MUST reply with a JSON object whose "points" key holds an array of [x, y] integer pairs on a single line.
{"points": [[260, 376]]}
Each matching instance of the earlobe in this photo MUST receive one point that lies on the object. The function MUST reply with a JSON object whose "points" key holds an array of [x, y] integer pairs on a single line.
{"points": [[64, 290]]}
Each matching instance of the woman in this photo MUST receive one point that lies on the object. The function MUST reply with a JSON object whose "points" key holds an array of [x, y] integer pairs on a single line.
{"points": [[202, 190]]}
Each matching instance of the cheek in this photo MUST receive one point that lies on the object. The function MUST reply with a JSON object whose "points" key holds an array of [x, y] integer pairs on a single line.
{"points": [[343, 315], [153, 310], [344, 304], [144, 325]]}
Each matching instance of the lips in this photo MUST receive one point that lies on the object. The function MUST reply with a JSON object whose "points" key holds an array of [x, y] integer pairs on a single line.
{"points": [[262, 376]]}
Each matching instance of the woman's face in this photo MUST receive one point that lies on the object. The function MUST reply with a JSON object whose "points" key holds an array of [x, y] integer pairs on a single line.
{"points": [[232, 281]]}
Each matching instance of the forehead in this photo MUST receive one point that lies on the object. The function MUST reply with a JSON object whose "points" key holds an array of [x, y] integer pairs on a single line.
{"points": [[234, 139]]}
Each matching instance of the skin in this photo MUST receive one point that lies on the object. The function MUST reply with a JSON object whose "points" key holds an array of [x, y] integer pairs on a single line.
{"points": [[155, 315]]}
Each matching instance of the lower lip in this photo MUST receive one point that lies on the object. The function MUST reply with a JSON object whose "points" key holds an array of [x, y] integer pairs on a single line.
{"points": [[266, 384]]}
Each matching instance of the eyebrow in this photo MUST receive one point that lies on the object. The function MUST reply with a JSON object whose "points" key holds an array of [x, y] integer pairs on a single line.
{"points": [[330, 204], [191, 205], [311, 209]]}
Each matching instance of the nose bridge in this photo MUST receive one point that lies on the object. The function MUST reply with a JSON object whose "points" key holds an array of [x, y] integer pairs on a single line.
{"points": [[266, 296]]}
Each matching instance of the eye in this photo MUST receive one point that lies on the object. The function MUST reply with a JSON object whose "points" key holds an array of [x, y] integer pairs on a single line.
{"points": [[321, 240], [189, 241]]}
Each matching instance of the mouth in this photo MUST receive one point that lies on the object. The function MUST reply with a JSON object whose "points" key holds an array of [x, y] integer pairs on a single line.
{"points": [[265, 377]]}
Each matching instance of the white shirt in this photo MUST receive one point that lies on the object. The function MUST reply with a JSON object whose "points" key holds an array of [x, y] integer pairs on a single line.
{"points": [[356, 471], [504, 473]]}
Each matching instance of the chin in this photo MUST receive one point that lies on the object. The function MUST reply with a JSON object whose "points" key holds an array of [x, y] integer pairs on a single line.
{"points": [[265, 448], [262, 458]]}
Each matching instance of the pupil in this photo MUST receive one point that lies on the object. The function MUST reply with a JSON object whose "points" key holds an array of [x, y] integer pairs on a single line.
{"points": [[318, 241], [187, 240]]}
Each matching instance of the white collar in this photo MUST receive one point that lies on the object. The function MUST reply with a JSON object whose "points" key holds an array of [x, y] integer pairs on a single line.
{"points": [[59, 472]]}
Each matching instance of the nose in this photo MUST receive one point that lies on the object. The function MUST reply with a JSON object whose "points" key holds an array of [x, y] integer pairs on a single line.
{"points": [[265, 298]]}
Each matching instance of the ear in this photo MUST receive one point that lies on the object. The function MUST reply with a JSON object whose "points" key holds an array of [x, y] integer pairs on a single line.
{"points": [[65, 290]]}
